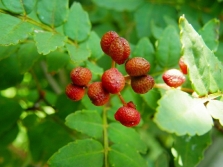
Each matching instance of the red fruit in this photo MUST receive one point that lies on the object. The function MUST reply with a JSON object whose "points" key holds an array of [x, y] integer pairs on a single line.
{"points": [[137, 66], [107, 39], [119, 50], [113, 81], [142, 84], [74, 92], [173, 78], [80, 76], [183, 66], [127, 116], [97, 94]]}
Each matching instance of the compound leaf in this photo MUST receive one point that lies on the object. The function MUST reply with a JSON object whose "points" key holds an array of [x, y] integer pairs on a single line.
{"points": [[187, 116], [189, 150], [79, 153], [86, 121], [53, 13], [6, 51], [13, 30], [47, 42], [215, 108], [120, 134], [78, 25], [205, 70]]}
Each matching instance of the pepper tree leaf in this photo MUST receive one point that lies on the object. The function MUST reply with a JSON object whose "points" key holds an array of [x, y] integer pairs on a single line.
{"points": [[78, 25], [47, 42], [6, 51], [53, 13], [210, 34], [120, 134], [86, 121], [187, 116], [121, 155], [168, 53], [122, 5], [204, 69], [189, 150], [13, 30], [27, 56], [215, 108], [79, 153], [19, 6]]}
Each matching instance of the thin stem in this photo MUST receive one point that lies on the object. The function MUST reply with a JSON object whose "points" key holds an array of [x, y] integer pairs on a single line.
{"points": [[105, 126], [113, 64], [122, 99], [164, 86]]}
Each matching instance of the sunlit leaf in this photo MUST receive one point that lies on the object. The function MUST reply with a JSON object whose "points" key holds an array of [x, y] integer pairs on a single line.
{"points": [[215, 108]]}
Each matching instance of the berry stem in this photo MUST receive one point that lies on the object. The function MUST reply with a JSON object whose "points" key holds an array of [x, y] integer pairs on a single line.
{"points": [[105, 136], [122, 99], [127, 78], [113, 64], [164, 86]]}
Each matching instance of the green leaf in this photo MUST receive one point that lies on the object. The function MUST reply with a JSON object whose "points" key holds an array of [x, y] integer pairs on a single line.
{"points": [[19, 6], [86, 121], [181, 114], [120, 134], [47, 42], [56, 60], [151, 98], [53, 13], [8, 136], [77, 53], [27, 56], [123, 155], [121, 5], [78, 25], [168, 53], [81, 153], [210, 34], [144, 48], [95, 69], [215, 108], [6, 51], [205, 70], [13, 30], [189, 150], [10, 72], [10, 113]]}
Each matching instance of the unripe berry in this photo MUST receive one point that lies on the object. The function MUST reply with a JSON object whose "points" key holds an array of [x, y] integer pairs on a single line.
{"points": [[183, 66], [80, 76], [74, 92], [113, 81], [173, 78], [107, 39], [142, 84], [119, 50], [97, 94], [127, 116], [137, 66]]}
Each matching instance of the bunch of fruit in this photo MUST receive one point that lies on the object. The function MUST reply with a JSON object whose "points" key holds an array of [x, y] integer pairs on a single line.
{"points": [[113, 81]]}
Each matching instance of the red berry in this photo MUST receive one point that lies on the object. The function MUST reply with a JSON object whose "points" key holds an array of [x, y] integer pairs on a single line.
{"points": [[80, 76], [137, 66], [74, 92], [97, 94], [113, 81], [173, 78], [127, 116], [183, 66], [107, 39], [119, 50], [142, 84]]}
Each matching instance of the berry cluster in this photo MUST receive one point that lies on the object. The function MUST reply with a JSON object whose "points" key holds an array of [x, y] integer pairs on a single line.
{"points": [[112, 80]]}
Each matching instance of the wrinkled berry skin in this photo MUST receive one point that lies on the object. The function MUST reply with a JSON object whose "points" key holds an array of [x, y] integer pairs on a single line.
{"points": [[113, 81], [107, 39], [80, 76], [97, 94], [127, 116], [173, 78], [119, 50], [137, 66], [74, 92], [182, 66], [142, 84]]}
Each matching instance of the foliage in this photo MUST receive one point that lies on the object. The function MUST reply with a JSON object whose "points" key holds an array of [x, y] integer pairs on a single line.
{"points": [[42, 40]]}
